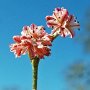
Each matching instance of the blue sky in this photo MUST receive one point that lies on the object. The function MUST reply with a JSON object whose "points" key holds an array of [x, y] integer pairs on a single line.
{"points": [[14, 14]]}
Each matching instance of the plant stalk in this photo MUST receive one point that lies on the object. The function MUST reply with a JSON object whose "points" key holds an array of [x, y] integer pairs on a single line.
{"points": [[35, 63]]}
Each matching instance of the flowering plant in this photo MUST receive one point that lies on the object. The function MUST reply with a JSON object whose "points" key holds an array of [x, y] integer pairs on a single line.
{"points": [[35, 41]]}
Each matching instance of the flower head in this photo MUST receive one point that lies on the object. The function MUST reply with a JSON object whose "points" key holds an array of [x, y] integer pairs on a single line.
{"points": [[62, 23], [33, 40]]}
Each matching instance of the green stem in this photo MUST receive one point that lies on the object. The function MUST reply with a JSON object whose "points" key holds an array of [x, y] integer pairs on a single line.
{"points": [[35, 63]]}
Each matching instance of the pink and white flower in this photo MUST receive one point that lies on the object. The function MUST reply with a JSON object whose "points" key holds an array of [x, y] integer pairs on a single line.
{"points": [[62, 23], [33, 40]]}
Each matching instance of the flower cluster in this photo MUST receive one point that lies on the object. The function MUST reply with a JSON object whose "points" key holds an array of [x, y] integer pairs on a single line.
{"points": [[35, 41], [62, 23]]}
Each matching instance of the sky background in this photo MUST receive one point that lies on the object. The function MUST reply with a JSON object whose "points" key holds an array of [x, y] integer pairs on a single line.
{"points": [[17, 72]]}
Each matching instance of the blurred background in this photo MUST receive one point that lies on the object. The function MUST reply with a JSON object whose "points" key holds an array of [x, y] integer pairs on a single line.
{"points": [[68, 66]]}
